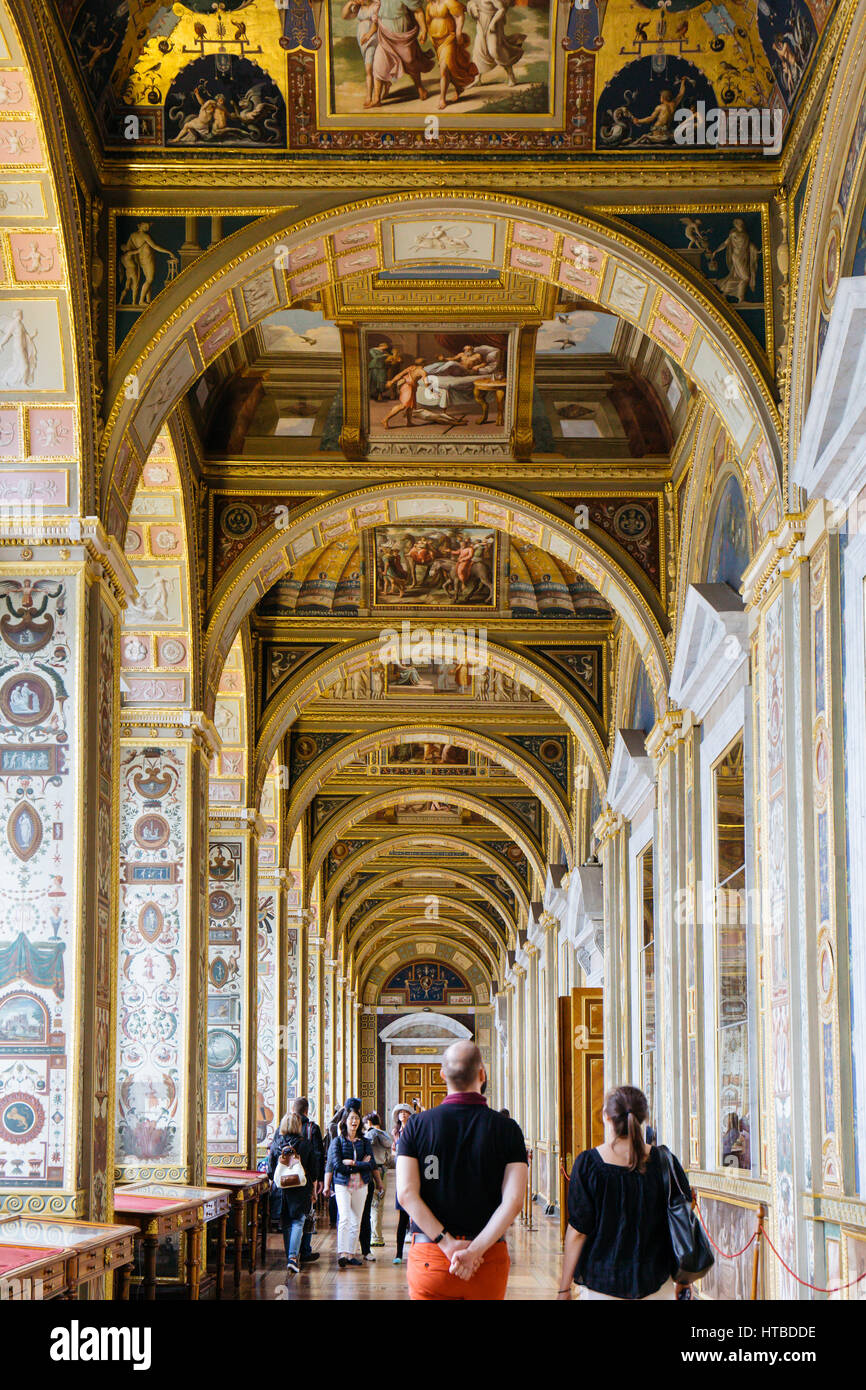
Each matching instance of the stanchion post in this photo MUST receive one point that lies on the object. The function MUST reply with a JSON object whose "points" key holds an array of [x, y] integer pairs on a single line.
{"points": [[756, 1258]]}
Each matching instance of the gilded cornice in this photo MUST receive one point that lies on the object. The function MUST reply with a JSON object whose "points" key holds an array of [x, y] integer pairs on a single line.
{"points": [[668, 733], [66, 532], [191, 724], [609, 824], [781, 553], [238, 819]]}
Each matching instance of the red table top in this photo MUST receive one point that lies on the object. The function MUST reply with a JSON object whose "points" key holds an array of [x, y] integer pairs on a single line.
{"points": [[14, 1256], [248, 1174], [133, 1201]]}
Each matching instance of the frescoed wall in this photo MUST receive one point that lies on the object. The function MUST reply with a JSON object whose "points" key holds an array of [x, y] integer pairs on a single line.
{"points": [[227, 1007], [153, 953], [39, 1003], [728, 554]]}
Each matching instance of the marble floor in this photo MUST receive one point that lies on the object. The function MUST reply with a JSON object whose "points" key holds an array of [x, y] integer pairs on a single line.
{"points": [[535, 1262]]}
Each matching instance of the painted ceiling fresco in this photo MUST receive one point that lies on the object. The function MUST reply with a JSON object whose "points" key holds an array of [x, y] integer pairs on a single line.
{"points": [[595, 76]]}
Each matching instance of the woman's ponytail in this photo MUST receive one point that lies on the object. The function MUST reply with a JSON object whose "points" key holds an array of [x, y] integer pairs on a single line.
{"points": [[626, 1108]]}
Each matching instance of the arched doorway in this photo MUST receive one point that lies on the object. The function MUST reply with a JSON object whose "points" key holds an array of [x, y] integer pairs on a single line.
{"points": [[413, 1045]]}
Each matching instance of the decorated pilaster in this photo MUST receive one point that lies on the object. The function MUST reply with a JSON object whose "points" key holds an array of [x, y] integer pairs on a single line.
{"points": [[666, 746], [232, 950], [315, 1026], [531, 1045], [60, 608], [548, 1039], [777, 598], [518, 1051], [276, 1029], [329, 1069], [609, 831], [161, 970]]}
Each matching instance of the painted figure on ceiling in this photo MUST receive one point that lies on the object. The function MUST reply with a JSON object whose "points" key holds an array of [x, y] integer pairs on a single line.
{"points": [[493, 46], [742, 258], [401, 29], [445, 21]]}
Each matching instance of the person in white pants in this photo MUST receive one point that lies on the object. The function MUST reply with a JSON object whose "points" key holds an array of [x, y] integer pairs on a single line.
{"points": [[382, 1145], [348, 1170]]}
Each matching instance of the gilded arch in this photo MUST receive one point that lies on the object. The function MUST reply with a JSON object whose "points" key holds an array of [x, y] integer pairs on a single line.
{"points": [[453, 876], [465, 848], [290, 699], [340, 824], [310, 781], [599, 262]]}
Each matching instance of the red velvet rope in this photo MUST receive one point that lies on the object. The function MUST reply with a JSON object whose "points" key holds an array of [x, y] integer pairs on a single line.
{"points": [[761, 1231]]}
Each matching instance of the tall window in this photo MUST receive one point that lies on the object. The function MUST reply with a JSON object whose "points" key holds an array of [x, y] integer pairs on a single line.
{"points": [[732, 962], [648, 984]]}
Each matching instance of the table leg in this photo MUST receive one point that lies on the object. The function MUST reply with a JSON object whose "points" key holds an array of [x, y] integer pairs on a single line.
{"points": [[192, 1260], [500, 407], [123, 1282], [254, 1234], [150, 1244], [221, 1254], [239, 1237]]}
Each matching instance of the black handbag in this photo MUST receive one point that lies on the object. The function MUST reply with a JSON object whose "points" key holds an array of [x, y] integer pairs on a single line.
{"points": [[691, 1249]]}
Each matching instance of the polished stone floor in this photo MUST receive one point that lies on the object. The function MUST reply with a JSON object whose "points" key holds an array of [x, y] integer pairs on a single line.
{"points": [[535, 1262]]}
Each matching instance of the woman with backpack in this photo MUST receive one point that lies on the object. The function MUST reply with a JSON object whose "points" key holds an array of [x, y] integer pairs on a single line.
{"points": [[349, 1170], [292, 1169], [617, 1242]]}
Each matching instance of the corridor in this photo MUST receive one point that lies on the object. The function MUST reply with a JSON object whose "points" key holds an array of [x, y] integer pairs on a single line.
{"points": [[535, 1263]]}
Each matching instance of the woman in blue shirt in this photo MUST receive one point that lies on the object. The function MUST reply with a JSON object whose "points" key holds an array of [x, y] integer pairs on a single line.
{"points": [[349, 1170]]}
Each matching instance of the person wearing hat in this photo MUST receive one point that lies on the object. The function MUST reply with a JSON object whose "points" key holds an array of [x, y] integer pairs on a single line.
{"points": [[400, 1117]]}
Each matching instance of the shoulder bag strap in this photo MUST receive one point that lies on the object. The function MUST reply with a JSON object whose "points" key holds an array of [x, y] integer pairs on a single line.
{"points": [[664, 1154]]}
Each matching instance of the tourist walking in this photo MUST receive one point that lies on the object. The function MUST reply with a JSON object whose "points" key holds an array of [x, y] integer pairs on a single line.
{"points": [[291, 1164], [313, 1134], [400, 1117], [349, 1169], [382, 1147], [617, 1242], [461, 1176]]}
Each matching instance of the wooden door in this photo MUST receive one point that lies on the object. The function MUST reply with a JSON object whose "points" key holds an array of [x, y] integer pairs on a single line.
{"points": [[421, 1081], [581, 1080]]}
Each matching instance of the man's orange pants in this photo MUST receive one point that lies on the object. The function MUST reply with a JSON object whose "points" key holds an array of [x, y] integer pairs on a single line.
{"points": [[429, 1277]]}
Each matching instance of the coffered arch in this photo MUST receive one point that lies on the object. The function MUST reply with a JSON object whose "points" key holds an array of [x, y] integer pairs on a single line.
{"points": [[340, 824], [388, 956], [295, 694], [342, 754], [448, 844], [243, 283], [454, 876], [406, 915]]}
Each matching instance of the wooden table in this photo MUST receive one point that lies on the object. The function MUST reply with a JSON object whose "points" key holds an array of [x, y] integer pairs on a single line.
{"points": [[66, 1255], [160, 1209], [482, 389], [247, 1185]]}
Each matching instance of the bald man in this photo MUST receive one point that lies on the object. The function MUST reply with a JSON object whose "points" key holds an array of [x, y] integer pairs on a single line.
{"points": [[461, 1176]]}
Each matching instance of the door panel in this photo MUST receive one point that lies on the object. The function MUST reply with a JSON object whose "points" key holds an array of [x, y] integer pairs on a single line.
{"points": [[422, 1081], [581, 1079]]}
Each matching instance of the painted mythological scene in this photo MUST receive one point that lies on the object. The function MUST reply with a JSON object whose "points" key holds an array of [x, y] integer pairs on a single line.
{"points": [[401, 56], [431, 385], [435, 566]]}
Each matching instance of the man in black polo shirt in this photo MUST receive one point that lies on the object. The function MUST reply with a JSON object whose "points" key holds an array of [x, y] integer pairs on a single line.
{"points": [[461, 1176]]}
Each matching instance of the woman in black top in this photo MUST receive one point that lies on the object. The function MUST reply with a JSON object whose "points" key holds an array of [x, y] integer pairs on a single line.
{"points": [[617, 1243]]}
